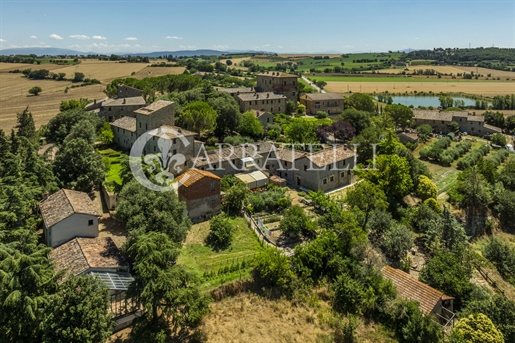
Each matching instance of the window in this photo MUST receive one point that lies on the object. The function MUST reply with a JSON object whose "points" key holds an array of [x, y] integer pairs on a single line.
{"points": [[348, 172], [212, 202], [442, 122], [331, 178], [342, 174], [118, 129], [146, 126], [305, 167], [140, 125], [109, 108], [123, 131], [175, 141], [285, 174], [175, 152], [212, 186], [325, 181], [90, 222], [154, 148], [268, 120]]}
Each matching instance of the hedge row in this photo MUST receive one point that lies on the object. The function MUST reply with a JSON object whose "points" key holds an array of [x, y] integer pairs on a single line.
{"points": [[498, 157], [434, 150], [471, 158], [449, 156]]}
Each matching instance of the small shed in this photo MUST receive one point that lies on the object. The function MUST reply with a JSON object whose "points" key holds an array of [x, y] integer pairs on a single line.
{"points": [[254, 180], [278, 181]]}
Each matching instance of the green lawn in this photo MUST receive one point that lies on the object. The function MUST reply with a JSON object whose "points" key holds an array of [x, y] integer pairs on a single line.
{"points": [[112, 159], [218, 267]]}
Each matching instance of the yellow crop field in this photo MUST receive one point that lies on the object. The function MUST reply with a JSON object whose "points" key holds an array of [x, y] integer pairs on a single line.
{"points": [[488, 89], [451, 70], [14, 87]]}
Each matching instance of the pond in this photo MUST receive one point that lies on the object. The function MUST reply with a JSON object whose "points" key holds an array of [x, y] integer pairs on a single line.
{"points": [[425, 101]]}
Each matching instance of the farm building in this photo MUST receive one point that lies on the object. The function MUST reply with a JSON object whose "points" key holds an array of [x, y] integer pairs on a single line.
{"points": [[278, 82], [113, 109], [200, 190], [431, 301], [331, 103], [262, 102], [467, 121], [68, 214], [234, 92], [265, 118]]}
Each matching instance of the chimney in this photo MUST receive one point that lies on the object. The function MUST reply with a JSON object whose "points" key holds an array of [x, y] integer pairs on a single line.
{"points": [[95, 101], [267, 95], [124, 100], [257, 96]]}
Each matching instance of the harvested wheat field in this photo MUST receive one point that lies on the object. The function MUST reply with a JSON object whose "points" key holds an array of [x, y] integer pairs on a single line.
{"points": [[487, 88], [450, 70], [14, 87]]}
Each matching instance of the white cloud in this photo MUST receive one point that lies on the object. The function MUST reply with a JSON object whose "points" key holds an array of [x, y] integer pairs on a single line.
{"points": [[220, 47], [54, 36], [2, 40], [279, 46], [33, 37], [131, 38], [99, 37], [137, 46], [81, 37], [124, 45], [173, 37], [187, 46]]}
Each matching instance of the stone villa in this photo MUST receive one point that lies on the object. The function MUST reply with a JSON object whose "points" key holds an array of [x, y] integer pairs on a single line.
{"points": [[331, 103], [468, 122]]}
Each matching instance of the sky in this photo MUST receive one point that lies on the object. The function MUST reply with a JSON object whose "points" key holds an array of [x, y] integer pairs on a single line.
{"points": [[114, 26]]}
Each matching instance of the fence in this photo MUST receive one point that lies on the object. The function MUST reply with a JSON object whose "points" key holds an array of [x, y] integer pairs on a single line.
{"points": [[488, 279]]}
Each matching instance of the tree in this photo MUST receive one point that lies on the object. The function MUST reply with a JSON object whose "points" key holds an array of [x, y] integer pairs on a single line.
{"points": [[361, 102], [229, 116], [78, 166], [220, 232], [392, 175], [301, 131], [424, 131], [235, 197], [321, 115], [400, 114], [410, 324], [137, 204], [397, 242], [290, 106], [476, 328], [426, 188], [84, 129], [35, 90], [26, 280], [250, 125], [510, 123], [168, 293], [495, 119], [502, 256], [198, 116], [448, 274], [106, 134], [60, 126], [499, 139], [453, 126], [295, 221], [228, 62], [78, 77], [78, 312], [73, 103], [26, 127], [342, 130], [365, 142], [358, 119], [272, 268], [366, 197], [446, 101]]}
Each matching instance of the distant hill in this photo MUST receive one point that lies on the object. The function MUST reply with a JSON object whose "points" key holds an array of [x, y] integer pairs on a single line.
{"points": [[41, 51], [57, 51]]}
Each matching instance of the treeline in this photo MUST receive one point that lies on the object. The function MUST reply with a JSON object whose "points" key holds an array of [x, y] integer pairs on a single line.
{"points": [[34, 59], [495, 58]]}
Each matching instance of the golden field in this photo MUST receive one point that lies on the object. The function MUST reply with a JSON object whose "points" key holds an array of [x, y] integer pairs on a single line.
{"points": [[14, 88]]}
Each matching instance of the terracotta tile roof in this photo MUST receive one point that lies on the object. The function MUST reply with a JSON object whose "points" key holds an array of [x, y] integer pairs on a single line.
{"points": [[493, 128], [193, 175], [235, 90], [127, 123], [432, 115], [65, 203], [328, 156], [469, 116], [153, 107], [237, 152], [159, 131], [260, 96], [324, 96], [410, 288], [133, 100], [82, 254], [277, 74], [289, 155]]}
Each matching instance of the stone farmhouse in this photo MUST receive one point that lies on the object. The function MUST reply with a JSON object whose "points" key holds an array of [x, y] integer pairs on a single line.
{"points": [[468, 122], [200, 190], [265, 101], [68, 214], [331, 103], [324, 170], [234, 92], [278, 82]]}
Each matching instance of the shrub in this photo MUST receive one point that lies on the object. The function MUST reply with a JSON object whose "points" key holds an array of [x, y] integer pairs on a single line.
{"points": [[220, 232], [35, 90]]}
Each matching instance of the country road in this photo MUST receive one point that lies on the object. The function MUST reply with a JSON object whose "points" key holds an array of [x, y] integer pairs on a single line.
{"points": [[318, 89]]}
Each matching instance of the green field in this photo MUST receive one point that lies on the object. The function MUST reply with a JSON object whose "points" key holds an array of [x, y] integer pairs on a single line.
{"points": [[112, 159], [218, 267], [386, 79]]}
